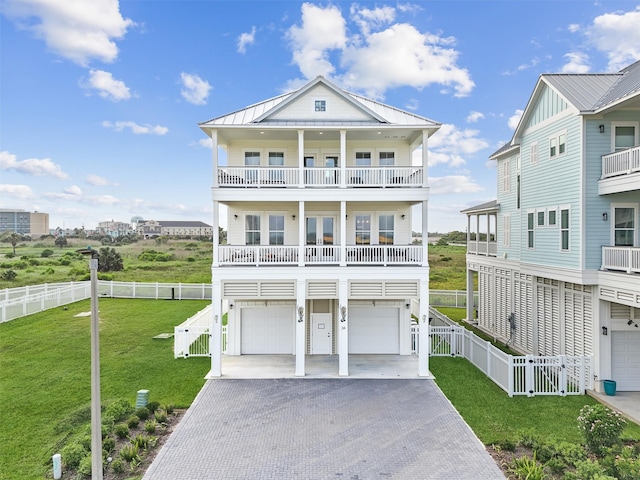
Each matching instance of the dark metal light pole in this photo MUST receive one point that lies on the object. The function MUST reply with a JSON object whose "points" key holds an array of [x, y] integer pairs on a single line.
{"points": [[96, 424]]}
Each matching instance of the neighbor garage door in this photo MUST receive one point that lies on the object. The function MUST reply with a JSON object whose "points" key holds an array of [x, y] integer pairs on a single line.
{"points": [[625, 360], [267, 330], [374, 330]]}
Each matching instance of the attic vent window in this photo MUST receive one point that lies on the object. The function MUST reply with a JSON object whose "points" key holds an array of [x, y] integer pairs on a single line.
{"points": [[321, 105]]}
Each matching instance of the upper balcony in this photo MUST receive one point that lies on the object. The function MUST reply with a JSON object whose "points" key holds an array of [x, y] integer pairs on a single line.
{"points": [[620, 171], [623, 259], [320, 177]]}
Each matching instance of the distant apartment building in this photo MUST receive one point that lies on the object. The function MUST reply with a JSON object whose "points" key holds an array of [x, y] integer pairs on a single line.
{"points": [[156, 228], [115, 229], [34, 224]]}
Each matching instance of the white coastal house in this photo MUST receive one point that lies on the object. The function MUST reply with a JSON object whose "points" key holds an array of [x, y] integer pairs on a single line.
{"points": [[319, 186], [557, 256]]}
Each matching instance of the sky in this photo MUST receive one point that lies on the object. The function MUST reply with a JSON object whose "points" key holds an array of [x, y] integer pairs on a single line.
{"points": [[100, 101]]}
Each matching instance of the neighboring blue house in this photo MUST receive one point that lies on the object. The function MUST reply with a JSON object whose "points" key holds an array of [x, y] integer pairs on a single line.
{"points": [[557, 256]]}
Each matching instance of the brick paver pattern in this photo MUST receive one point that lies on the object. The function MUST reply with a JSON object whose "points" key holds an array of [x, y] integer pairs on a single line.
{"points": [[322, 429]]}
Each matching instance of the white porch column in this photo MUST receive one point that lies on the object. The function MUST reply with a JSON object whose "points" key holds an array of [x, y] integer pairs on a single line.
{"points": [[301, 159], [214, 154], [301, 334], [423, 326], [343, 329], [301, 237], [343, 233], [343, 158], [425, 233], [216, 328], [425, 158], [469, 294], [488, 231], [216, 234]]}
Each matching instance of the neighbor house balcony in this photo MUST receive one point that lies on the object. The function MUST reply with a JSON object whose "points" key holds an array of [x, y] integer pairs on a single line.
{"points": [[319, 177], [624, 259], [281, 255], [483, 247], [620, 171]]}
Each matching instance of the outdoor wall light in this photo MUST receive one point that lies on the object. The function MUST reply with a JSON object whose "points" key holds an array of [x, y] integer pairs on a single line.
{"points": [[601, 128], [605, 216], [293, 217], [604, 331], [407, 306], [235, 216], [300, 314], [231, 306], [402, 216], [343, 312]]}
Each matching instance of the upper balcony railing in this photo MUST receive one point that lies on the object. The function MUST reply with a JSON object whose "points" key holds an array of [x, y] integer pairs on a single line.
{"points": [[623, 162], [324, 177], [626, 259], [320, 255], [482, 247]]}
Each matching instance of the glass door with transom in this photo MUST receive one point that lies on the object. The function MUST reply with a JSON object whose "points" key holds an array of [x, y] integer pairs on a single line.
{"points": [[320, 231]]}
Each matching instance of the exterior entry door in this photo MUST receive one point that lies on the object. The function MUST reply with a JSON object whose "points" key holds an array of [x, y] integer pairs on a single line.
{"points": [[321, 334], [320, 232]]}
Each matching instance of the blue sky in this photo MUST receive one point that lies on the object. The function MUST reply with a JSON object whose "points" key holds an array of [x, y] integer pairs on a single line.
{"points": [[100, 100]]}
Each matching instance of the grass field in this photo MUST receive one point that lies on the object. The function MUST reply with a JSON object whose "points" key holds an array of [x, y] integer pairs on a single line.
{"points": [[191, 263], [45, 365]]}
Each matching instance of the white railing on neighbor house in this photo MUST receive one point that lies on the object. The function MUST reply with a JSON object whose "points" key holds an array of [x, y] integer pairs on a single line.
{"points": [[481, 247], [623, 162], [517, 375], [626, 259], [269, 177]]}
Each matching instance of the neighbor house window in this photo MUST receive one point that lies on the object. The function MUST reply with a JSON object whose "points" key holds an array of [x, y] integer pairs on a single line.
{"points": [[385, 229], [506, 176], [363, 229], [624, 137], [541, 216], [276, 159], [252, 229], [623, 226], [276, 229], [551, 218], [363, 159], [251, 159], [387, 159], [557, 145], [553, 147], [321, 105], [564, 229], [530, 223]]}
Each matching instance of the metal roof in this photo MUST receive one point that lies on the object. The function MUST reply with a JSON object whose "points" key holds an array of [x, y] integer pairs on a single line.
{"points": [[491, 206], [382, 114], [582, 91]]}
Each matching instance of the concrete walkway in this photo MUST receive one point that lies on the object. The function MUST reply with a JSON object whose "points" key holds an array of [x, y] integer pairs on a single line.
{"points": [[344, 428], [627, 403]]}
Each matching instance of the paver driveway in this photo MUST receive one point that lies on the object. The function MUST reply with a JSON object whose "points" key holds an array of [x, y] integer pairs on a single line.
{"points": [[351, 429]]}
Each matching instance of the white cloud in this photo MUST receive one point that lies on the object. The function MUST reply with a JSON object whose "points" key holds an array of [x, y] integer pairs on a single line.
{"points": [[22, 192], [453, 184], [474, 116], [515, 119], [381, 56], [524, 66], [98, 181], [322, 30], [246, 39], [135, 128], [74, 29], [33, 166], [73, 190], [617, 35], [578, 62], [194, 89], [106, 86], [573, 28], [452, 146]]}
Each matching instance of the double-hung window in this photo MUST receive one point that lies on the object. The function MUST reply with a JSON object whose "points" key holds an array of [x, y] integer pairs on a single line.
{"points": [[363, 229], [385, 229], [530, 227], [276, 229], [363, 159], [252, 229], [276, 159], [564, 229], [624, 226], [252, 159], [624, 136], [551, 217], [557, 145]]}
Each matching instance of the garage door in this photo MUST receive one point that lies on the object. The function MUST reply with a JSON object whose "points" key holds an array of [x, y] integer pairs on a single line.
{"points": [[374, 330], [625, 360], [267, 330]]}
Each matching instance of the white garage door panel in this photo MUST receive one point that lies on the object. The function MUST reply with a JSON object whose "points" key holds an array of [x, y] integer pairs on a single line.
{"points": [[625, 360], [374, 330], [267, 330]]}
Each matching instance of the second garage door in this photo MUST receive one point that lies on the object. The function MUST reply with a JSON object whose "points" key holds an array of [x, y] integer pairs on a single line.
{"points": [[625, 360], [267, 330], [374, 330]]}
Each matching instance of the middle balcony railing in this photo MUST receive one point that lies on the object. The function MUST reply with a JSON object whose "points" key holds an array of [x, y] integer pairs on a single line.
{"points": [[320, 255], [320, 177]]}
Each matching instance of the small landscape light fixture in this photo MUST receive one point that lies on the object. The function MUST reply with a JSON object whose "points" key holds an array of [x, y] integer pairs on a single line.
{"points": [[300, 314], [601, 128], [605, 331], [605, 216], [343, 312]]}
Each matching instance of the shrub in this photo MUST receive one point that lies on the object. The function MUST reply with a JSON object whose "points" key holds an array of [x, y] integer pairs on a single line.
{"points": [[47, 252], [600, 427], [570, 452], [150, 426], [108, 444], [169, 408], [161, 415], [144, 442], [556, 465], [119, 410], [49, 271], [627, 464], [153, 406], [117, 466], [72, 454], [121, 430], [133, 421], [130, 453], [34, 262], [64, 261], [525, 468], [142, 413], [8, 275], [10, 255], [507, 445]]}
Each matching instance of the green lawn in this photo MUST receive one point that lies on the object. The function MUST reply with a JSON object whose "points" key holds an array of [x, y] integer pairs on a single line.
{"points": [[45, 366]]}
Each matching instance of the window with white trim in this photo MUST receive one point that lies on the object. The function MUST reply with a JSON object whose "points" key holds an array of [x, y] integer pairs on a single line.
{"points": [[624, 136], [506, 230], [551, 217], [321, 105], [564, 229], [385, 229], [252, 229], [624, 231], [251, 159], [541, 218], [276, 229], [363, 229], [530, 231], [557, 145]]}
